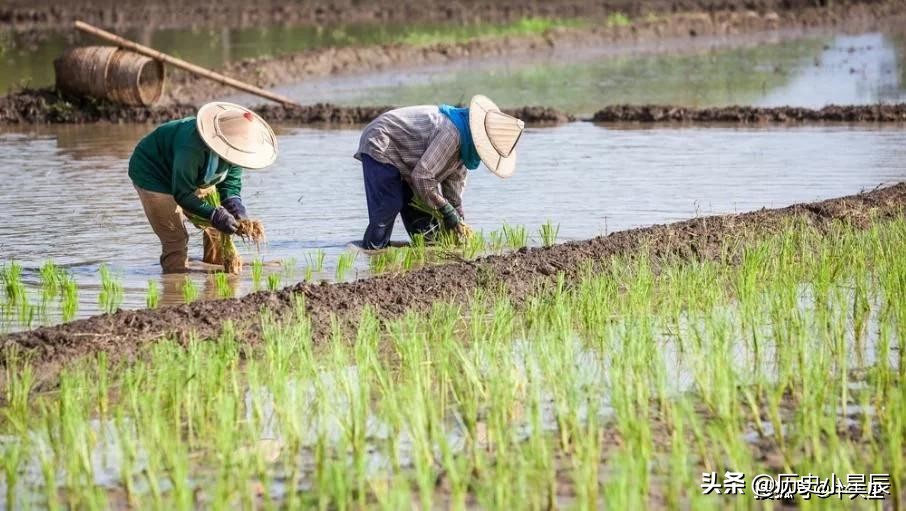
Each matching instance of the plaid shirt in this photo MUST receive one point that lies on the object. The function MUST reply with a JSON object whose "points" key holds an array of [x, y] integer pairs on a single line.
{"points": [[423, 144]]}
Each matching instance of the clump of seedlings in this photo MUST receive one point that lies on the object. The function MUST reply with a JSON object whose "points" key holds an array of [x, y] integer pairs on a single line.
{"points": [[249, 230], [273, 281], [69, 298], [152, 298], [223, 284], [316, 260], [257, 273], [12, 282], [111, 294], [516, 236], [548, 232], [189, 290], [345, 262]]}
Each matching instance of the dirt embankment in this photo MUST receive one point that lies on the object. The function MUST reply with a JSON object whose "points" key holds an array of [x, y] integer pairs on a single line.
{"points": [[123, 334], [751, 115], [678, 26], [56, 14], [47, 106]]}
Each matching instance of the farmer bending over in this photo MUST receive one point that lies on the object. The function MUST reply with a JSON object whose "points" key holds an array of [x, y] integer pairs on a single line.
{"points": [[181, 161], [424, 151]]}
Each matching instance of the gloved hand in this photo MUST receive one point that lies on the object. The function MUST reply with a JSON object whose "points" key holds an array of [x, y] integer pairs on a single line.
{"points": [[235, 207], [223, 221], [451, 217]]}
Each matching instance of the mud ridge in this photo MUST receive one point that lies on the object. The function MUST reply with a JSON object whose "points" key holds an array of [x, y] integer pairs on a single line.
{"points": [[123, 334], [48, 106], [55, 14], [751, 115]]}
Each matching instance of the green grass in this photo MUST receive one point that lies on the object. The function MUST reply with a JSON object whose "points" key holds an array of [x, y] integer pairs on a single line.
{"points": [[617, 388], [526, 26]]}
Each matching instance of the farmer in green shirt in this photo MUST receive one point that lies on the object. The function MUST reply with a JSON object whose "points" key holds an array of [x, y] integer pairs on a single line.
{"points": [[178, 163]]}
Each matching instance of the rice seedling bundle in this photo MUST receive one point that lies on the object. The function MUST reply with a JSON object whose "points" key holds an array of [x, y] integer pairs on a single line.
{"points": [[249, 230]]}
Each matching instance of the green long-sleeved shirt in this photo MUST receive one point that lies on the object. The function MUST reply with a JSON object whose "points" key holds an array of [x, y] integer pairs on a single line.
{"points": [[172, 159]]}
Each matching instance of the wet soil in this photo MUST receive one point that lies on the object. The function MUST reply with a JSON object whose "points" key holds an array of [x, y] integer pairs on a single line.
{"points": [[47, 106], [122, 335], [56, 14], [751, 115], [678, 26]]}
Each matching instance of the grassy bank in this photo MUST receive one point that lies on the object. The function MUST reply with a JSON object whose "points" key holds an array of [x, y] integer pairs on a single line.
{"points": [[622, 387]]}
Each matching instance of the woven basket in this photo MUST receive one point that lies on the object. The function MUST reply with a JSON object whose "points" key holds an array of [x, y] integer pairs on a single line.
{"points": [[111, 73]]}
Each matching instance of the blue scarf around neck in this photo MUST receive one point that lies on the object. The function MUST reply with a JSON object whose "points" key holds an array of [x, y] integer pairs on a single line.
{"points": [[460, 118]]}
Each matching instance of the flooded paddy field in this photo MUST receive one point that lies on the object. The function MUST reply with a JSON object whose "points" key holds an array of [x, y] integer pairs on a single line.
{"points": [[775, 70], [729, 344], [643, 315], [312, 201]]}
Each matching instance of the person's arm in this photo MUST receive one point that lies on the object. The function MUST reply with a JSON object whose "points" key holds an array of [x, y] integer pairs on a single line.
{"points": [[186, 165], [452, 188], [230, 190], [424, 176], [231, 186]]}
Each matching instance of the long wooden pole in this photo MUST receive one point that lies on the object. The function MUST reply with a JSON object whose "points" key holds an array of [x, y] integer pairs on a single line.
{"points": [[182, 64]]}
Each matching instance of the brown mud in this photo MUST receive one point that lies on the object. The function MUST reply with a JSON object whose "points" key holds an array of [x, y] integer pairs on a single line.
{"points": [[46, 106], [124, 334], [751, 115], [677, 27], [49, 106], [59, 14]]}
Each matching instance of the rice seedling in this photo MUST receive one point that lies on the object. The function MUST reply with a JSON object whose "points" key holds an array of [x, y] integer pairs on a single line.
{"points": [[615, 388], [316, 260], [12, 282], [618, 19], [111, 295], [473, 246], [223, 284], [257, 273], [152, 296], [51, 279], [345, 262], [289, 268], [273, 281], [189, 290], [69, 301], [516, 236], [548, 232], [249, 230]]}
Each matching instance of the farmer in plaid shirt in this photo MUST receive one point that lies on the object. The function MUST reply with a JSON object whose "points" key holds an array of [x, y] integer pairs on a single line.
{"points": [[425, 152]]}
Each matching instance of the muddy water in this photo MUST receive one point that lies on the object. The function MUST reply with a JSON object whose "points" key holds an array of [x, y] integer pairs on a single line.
{"points": [[29, 59], [66, 196], [766, 70]]}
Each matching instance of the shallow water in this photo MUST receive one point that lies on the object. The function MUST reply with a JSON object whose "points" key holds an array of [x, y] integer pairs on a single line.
{"points": [[29, 58], [768, 71], [67, 197]]}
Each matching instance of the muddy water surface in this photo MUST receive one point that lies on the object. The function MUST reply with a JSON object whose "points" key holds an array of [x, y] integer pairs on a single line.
{"points": [[67, 197], [763, 70]]}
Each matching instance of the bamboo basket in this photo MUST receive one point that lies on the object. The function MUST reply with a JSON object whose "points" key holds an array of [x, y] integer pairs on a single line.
{"points": [[112, 73]]}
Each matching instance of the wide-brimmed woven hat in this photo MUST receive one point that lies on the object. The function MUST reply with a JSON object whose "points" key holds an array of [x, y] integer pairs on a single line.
{"points": [[495, 135], [237, 135]]}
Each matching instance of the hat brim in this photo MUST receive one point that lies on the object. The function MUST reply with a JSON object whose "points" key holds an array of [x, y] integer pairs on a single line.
{"points": [[501, 166], [265, 153]]}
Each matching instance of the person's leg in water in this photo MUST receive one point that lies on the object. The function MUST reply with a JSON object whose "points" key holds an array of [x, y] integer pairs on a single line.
{"points": [[417, 221], [384, 194], [166, 220]]}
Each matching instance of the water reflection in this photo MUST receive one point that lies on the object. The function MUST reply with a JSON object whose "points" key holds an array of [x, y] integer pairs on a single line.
{"points": [[809, 72]]}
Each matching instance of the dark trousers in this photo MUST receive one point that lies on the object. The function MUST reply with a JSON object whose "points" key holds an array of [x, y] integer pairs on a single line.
{"points": [[387, 196]]}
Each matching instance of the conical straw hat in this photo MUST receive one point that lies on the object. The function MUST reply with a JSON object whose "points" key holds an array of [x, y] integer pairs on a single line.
{"points": [[237, 135], [495, 135]]}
